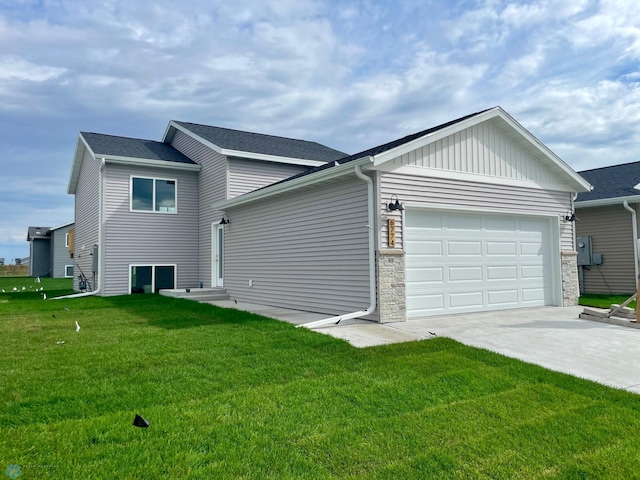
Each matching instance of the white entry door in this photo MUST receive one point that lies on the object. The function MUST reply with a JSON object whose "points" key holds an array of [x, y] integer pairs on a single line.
{"points": [[466, 262], [217, 255]]}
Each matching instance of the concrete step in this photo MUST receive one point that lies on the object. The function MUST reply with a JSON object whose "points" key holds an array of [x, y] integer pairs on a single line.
{"points": [[197, 294]]}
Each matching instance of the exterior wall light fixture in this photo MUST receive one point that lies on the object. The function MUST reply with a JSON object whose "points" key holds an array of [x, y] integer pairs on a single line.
{"points": [[392, 206], [225, 220]]}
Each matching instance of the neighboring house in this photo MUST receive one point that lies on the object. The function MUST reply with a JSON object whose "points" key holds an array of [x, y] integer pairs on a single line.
{"points": [[143, 208], [482, 226], [608, 216], [49, 251], [22, 261]]}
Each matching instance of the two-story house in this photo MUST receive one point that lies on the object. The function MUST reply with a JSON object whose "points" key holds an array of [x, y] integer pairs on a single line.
{"points": [[143, 208], [470, 215]]}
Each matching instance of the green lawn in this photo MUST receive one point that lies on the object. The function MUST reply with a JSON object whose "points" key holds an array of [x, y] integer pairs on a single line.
{"points": [[604, 301], [235, 395]]}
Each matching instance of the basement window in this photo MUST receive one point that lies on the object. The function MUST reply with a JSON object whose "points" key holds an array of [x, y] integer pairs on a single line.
{"points": [[151, 278], [153, 195], [68, 271]]}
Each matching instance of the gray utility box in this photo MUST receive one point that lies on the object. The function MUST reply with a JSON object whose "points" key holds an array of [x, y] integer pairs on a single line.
{"points": [[583, 247]]}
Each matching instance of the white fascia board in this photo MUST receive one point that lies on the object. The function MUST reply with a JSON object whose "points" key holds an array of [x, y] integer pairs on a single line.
{"points": [[575, 176], [61, 226], [243, 154], [607, 201], [433, 137], [294, 184], [81, 146], [146, 162], [579, 183]]}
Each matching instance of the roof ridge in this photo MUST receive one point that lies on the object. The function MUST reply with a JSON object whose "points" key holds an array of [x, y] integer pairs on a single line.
{"points": [[252, 133], [609, 166], [120, 136]]}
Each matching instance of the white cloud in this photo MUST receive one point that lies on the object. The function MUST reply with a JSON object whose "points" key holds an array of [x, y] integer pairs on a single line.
{"points": [[18, 70], [520, 69]]}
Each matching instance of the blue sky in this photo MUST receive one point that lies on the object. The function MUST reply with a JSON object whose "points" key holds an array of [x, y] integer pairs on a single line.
{"points": [[349, 74]]}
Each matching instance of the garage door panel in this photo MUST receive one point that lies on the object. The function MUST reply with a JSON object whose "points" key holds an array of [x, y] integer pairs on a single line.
{"points": [[503, 297], [531, 248], [425, 275], [476, 262], [427, 221], [534, 226], [464, 222], [426, 303], [532, 271], [427, 247], [506, 272], [465, 300], [502, 248], [533, 294], [505, 225], [465, 274], [464, 248]]}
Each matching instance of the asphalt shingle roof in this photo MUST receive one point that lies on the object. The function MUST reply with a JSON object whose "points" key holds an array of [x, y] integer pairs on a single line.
{"points": [[265, 144], [611, 182], [37, 232], [133, 147]]}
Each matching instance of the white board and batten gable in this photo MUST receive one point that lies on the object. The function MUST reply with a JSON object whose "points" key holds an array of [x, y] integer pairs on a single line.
{"points": [[490, 147]]}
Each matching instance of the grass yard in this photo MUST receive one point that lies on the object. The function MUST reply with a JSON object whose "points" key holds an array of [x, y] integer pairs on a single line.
{"points": [[604, 301], [234, 395]]}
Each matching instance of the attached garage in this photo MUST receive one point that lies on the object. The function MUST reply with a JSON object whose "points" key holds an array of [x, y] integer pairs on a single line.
{"points": [[471, 215], [472, 261]]}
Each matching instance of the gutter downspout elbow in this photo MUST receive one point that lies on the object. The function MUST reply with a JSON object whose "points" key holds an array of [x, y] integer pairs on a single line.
{"points": [[100, 231], [372, 261], [634, 224]]}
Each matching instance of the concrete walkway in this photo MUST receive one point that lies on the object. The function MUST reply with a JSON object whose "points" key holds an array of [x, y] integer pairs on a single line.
{"points": [[552, 337]]}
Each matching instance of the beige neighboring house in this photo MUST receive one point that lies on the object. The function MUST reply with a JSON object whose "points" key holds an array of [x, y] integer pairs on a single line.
{"points": [[607, 219]]}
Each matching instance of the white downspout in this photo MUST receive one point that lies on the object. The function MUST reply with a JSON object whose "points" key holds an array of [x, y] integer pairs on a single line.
{"points": [[634, 223], [372, 263], [100, 227]]}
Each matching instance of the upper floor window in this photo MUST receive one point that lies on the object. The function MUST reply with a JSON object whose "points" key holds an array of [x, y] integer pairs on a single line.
{"points": [[153, 195]]}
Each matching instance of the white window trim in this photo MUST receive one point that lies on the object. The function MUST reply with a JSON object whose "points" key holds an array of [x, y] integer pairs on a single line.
{"points": [[66, 240], [65, 271], [153, 198], [153, 273]]}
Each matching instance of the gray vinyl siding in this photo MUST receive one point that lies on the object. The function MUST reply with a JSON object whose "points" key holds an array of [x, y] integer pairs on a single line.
{"points": [[212, 188], [86, 218], [40, 253], [610, 229], [149, 238], [300, 250], [60, 252], [247, 175], [433, 192]]}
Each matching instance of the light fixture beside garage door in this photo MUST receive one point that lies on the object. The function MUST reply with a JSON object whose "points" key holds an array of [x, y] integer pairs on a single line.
{"points": [[392, 206]]}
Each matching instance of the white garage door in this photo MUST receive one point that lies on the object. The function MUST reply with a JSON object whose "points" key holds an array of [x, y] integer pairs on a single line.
{"points": [[467, 262]]}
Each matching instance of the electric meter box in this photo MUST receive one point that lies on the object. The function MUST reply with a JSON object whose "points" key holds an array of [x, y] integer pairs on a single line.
{"points": [[583, 247]]}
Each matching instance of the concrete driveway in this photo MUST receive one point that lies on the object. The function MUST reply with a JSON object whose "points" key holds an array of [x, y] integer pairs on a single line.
{"points": [[554, 338]]}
